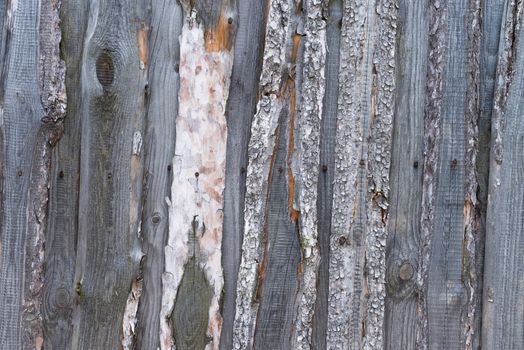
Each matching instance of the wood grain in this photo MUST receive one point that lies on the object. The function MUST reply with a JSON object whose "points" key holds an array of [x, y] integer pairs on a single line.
{"points": [[112, 112]]}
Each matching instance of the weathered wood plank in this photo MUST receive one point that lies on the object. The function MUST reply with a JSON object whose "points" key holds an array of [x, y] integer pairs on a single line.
{"points": [[503, 299], [196, 208], [361, 180], [32, 107], [260, 154], [449, 207], [159, 144], [113, 85], [407, 159], [61, 235], [241, 104], [327, 163]]}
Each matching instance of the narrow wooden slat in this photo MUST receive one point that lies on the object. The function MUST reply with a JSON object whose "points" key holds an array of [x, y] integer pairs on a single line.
{"points": [[407, 163], [61, 232], [243, 95], [193, 270], [159, 144], [503, 299], [113, 83], [327, 164], [361, 180]]}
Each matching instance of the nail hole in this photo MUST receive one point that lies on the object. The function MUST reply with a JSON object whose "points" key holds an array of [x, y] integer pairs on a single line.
{"points": [[324, 168], [197, 174], [242, 170], [61, 174], [415, 164], [156, 218], [230, 20], [105, 70], [169, 167], [362, 162], [19, 173], [342, 240], [454, 162], [280, 170], [109, 175]]}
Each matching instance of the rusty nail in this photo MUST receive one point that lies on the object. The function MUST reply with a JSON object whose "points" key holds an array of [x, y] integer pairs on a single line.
{"points": [[362, 162], [280, 169], [454, 162], [230, 20], [342, 240], [156, 218], [109, 175], [19, 173]]}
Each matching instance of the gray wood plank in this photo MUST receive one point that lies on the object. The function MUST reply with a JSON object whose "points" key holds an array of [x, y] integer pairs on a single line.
{"points": [[280, 264], [327, 164], [449, 220], [241, 105], [159, 143], [492, 11], [113, 85], [61, 234], [503, 299], [402, 252], [20, 238]]}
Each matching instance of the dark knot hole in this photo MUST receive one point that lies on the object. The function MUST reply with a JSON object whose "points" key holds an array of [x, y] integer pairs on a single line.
{"points": [[105, 69]]}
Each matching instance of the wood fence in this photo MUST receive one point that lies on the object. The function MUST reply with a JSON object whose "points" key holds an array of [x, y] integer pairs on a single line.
{"points": [[261, 174]]}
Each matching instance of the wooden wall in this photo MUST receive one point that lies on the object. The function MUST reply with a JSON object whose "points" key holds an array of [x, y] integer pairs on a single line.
{"points": [[261, 174]]}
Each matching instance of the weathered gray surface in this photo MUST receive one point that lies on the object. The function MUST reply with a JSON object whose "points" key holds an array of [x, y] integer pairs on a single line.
{"points": [[241, 105], [326, 162], [113, 85], [503, 301], [323, 185], [407, 165], [159, 143], [62, 229]]}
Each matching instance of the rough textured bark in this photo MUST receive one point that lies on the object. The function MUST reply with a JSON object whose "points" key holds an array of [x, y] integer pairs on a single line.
{"points": [[277, 174], [361, 182]]}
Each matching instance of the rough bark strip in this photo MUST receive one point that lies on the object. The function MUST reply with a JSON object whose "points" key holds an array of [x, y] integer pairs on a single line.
{"points": [[113, 86], [432, 136], [61, 233], [327, 160], [260, 153], [503, 314], [130, 314], [307, 165], [361, 186], [198, 172], [159, 145], [241, 105], [403, 244]]}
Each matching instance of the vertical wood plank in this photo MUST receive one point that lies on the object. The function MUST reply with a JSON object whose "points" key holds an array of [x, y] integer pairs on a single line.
{"points": [[503, 299], [113, 85], [402, 252], [361, 180], [262, 145], [61, 235], [241, 104], [449, 207], [193, 270], [327, 164], [159, 144], [32, 108]]}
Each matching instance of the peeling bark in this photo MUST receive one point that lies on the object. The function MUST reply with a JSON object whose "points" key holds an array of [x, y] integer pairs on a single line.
{"points": [[198, 169]]}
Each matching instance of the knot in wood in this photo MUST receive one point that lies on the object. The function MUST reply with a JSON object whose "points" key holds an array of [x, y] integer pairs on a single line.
{"points": [[406, 271], [105, 69]]}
